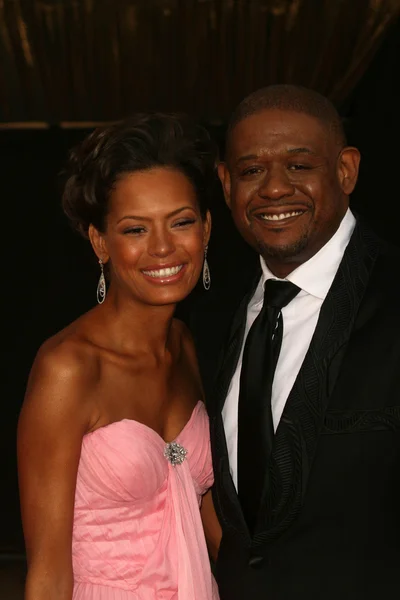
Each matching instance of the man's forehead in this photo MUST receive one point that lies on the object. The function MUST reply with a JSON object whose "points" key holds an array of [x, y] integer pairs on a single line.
{"points": [[278, 127], [277, 121], [290, 150]]}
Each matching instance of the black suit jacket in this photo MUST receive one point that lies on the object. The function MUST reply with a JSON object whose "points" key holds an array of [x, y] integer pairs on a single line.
{"points": [[331, 524]]}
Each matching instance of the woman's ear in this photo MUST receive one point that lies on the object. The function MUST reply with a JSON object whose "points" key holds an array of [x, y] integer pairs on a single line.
{"points": [[98, 244], [348, 165], [207, 228]]}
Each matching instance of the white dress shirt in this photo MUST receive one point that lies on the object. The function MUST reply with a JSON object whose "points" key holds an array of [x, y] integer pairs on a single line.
{"points": [[300, 316]]}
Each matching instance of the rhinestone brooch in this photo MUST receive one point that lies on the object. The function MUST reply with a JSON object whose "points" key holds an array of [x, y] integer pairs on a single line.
{"points": [[175, 453]]}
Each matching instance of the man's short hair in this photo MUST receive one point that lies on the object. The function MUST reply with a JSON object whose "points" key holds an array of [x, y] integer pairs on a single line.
{"points": [[294, 98]]}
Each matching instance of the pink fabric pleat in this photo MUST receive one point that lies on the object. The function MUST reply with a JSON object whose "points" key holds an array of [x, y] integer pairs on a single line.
{"points": [[194, 576], [137, 528]]}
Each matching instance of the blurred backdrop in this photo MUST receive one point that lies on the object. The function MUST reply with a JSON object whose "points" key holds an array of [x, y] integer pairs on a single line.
{"points": [[67, 65]]}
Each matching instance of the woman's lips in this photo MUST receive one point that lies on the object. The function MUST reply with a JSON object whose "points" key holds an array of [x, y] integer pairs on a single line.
{"points": [[163, 275]]}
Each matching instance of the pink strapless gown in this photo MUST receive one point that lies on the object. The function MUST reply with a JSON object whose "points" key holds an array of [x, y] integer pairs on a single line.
{"points": [[137, 529]]}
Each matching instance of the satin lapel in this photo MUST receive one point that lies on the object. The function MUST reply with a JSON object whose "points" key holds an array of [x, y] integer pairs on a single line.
{"points": [[225, 495], [303, 417], [231, 350]]}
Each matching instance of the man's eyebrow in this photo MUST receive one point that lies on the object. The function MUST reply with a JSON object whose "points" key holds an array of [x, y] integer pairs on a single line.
{"points": [[303, 150], [247, 157]]}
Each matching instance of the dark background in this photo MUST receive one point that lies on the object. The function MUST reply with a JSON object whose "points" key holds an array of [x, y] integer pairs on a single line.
{"points": [[49, 275]]}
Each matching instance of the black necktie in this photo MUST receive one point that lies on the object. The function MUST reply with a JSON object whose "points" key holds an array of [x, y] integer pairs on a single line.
{"points": [[255, 424]]}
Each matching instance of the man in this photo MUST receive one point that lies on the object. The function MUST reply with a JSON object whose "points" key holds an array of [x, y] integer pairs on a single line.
{"points": [[305, 407]]}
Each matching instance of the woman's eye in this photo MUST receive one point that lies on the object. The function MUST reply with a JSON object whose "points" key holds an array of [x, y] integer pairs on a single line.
{"points": [[184, 222], [135, 230]]}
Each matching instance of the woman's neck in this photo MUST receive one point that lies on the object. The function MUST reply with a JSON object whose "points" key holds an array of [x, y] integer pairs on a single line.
{"points": [[136, 327]]}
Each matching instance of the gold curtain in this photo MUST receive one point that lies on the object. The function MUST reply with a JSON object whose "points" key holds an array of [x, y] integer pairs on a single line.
{"points": [[97, 60]]}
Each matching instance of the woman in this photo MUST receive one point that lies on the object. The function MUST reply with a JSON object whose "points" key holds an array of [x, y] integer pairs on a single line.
{"points": [[113, 436]]}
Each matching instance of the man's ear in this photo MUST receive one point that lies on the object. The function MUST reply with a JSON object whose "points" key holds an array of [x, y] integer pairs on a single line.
{"points": [[348, 165], [98, 244], [225, 178]]}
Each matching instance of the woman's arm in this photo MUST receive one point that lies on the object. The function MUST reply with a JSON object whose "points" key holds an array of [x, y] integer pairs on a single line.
{"points": [[212, 528], [53, 420]]}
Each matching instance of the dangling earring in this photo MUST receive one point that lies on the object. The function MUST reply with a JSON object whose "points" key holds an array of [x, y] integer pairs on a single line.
{"points": [[101, 286], [206, 271]]}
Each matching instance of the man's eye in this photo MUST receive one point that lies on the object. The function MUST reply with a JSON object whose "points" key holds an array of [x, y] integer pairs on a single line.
{"points": [[298, 167], [184, 222], [135, 230], [251, 171]]}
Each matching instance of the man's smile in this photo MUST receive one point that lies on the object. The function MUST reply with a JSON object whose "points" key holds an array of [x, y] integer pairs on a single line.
{"points": [[280, 216], [277, 215]]}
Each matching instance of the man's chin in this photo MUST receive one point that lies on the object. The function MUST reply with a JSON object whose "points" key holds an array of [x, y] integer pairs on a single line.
{"points": [[284, 252]]}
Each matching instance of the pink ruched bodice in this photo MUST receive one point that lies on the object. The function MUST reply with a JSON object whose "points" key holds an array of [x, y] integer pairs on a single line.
{"points": [[137, 529]]}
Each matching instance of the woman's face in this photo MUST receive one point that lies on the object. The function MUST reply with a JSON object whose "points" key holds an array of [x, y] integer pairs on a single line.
{"points": [[155, 237]]}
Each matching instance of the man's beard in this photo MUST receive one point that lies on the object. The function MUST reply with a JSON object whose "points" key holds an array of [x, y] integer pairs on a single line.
{"points": [[284, 253]]}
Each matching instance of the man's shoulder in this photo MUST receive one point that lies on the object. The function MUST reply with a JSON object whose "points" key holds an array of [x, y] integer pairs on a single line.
{"points": [[368, 234], [210, 320], [211, 313], [221, 301], [387, 253], [379, 262]]}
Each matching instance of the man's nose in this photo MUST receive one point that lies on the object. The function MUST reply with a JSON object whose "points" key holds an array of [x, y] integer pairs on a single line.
{"points": [[161, 243], [276, 184]]}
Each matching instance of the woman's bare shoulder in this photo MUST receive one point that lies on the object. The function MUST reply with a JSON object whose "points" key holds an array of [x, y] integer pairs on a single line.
{"points": [[183, 330], [184, 335], [187, 347], [67, 353], [63, 375]]}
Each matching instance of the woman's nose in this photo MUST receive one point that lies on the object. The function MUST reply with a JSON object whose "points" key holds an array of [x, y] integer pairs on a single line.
{"points": [[161, 244]]}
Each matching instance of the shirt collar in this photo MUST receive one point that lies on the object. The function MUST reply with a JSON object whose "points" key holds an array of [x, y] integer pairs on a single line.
{"points": [[316, 275]]}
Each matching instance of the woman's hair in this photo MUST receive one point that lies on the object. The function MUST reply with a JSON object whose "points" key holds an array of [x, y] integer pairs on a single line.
{"points": [[142, 142]]}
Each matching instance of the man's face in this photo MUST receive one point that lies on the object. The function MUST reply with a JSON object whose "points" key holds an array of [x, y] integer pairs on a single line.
{"points": [[287, 182]]}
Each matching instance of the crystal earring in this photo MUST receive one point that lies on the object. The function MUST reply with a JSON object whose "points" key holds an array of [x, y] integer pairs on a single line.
{"points": [[101, 286], [206, 271]]}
